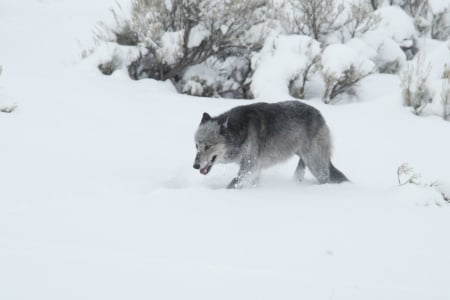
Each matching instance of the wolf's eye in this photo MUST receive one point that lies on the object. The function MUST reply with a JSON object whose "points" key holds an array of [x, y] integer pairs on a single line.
{"points": [[196, 146], [207, 147]]}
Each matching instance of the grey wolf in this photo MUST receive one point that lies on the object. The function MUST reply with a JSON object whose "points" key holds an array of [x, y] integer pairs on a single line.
{"points": [[259, 135]]}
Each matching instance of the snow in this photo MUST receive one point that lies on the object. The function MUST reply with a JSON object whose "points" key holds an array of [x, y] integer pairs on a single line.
{"points": [[362, 48], [396, 23], [99, 200], [439, 6], [438, 58]]}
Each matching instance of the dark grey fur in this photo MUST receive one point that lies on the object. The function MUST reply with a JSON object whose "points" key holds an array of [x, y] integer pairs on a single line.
{"points": [[259, 135]]}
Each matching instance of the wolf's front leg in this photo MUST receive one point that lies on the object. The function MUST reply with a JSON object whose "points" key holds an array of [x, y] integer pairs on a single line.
{"points": [[234, 184], [248, 174]]}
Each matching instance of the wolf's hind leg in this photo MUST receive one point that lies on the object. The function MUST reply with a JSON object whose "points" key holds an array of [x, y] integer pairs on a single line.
{"points": [[320, 170], [318, 162], [300, 170], [336, 176]]}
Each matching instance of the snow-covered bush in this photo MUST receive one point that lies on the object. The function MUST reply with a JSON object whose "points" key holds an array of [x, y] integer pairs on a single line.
{"points": [[342, 68], [431, 17], [178, 34], [109, 57], [389, 57], [310, 53], [114, 63], [228, 78], [396, 24], [285, 63], [382, 50], [415, 87], [407, 175], [198, 85], [236, 49]]}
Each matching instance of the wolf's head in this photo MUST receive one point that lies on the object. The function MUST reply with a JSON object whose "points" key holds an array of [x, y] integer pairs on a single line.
{"points": [[210, 143]]}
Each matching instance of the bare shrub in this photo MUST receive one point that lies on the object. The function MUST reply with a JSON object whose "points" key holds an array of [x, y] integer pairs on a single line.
{"points": [[412, 7], [360, 19], [440, 25], [320, 19], [445, 93], [343, 84], [415, 90], [315, 18], [375, 4]]}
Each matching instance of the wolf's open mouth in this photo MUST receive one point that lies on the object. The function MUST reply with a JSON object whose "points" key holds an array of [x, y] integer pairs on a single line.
{"points": [[208, 167]]}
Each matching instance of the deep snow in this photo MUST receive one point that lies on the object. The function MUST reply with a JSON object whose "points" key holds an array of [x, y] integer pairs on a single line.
{"points": [[99, 200]]}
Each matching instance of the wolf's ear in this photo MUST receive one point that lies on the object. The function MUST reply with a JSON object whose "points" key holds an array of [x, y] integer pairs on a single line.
{"points": [[224, 127], [205, 117]]}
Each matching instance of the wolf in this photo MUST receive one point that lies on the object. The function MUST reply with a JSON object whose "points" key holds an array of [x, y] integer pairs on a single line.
{"points": [[259, 135]]}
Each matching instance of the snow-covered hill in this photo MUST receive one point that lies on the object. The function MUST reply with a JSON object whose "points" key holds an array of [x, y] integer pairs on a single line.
{"points": [[98, 198]]}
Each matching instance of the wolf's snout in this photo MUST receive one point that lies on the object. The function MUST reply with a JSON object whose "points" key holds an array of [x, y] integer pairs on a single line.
{"points": [[197, 161]]}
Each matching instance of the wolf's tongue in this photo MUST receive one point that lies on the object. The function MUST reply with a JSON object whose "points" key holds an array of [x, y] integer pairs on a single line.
{"points": [[204, 170]]}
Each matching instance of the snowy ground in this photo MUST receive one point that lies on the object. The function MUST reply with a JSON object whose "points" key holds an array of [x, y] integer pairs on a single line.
{"points": [[99, 200]]}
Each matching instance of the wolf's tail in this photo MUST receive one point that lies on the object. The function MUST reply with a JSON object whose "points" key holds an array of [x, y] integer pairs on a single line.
{"points": [[336, 176]]}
